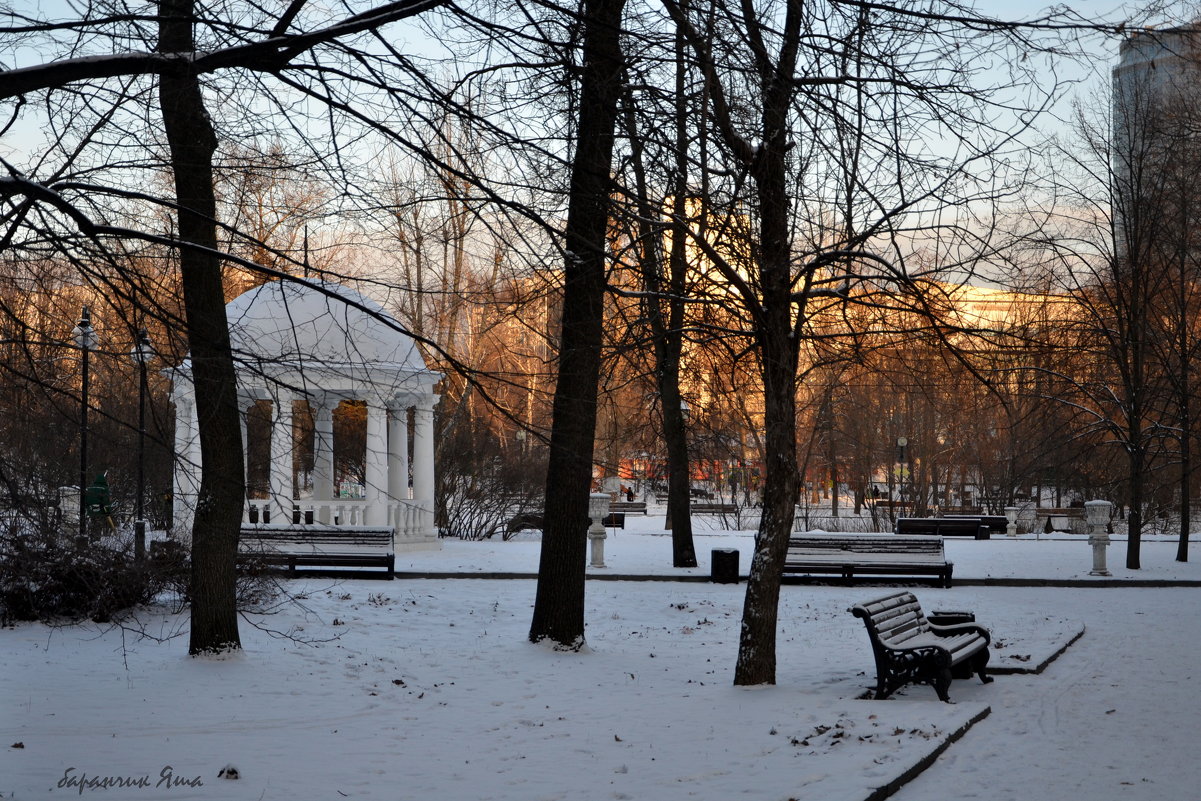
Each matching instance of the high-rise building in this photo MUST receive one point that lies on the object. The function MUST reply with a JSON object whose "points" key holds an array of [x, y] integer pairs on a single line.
{"points": [[1158, 60], [1156, 138]]}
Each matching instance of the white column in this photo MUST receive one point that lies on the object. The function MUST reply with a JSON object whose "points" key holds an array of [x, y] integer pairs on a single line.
{"points": [[423, 460], [323, 450], [398, 451], [194, 460], [281, 458], [242, 404], [187, 468], [375, 463]]}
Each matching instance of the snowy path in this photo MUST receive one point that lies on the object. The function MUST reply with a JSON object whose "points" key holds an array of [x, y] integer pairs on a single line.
{"points": [[1131, 680]]}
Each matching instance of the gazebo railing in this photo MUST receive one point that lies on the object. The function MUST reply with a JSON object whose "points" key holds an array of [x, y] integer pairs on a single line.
{"points": [[408, 518]]}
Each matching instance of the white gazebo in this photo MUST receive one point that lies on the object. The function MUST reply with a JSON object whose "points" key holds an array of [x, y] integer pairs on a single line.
{"points": [[323, 345]]}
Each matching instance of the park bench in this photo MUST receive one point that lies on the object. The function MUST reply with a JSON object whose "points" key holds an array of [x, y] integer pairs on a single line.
{"points": [[713, 508], [695, 496], [628, 507], [524, 520], [942, 527], [909, 649], [536, 520], [317, 546], [996, 524], [851, 555], [1067, 519]]}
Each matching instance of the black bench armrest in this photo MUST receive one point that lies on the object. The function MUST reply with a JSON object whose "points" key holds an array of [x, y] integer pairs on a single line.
{"points": [[960, 628]]}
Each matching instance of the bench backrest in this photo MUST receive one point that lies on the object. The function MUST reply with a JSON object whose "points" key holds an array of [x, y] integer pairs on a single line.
{"points": [[939, 526], [858, 543], [997, 523], [916, 525], [892, 619], [282, 538]]}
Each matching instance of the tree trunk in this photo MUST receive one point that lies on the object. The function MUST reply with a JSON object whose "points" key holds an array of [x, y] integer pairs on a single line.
{"points": [[666, 337], [778, 352], [757, 645], [559, 601], [214, 618], [675, 436], [1186, 498], [1186, 451], [669, 346], [832, 446], [1134, 520]]}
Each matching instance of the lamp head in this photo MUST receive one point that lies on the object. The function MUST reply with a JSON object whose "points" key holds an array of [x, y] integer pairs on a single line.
{"points": [[83, 335]]}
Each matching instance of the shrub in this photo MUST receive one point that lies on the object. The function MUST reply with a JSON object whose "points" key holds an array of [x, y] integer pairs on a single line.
{"points": [[46, 576], [50, 577]]}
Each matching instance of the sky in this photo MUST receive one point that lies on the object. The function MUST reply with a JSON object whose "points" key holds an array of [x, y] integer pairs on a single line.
{"points": [[22, 141]]}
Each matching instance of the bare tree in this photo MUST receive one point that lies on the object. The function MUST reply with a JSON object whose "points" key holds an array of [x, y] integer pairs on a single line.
{"points": [[219, 509], [1124, 253], [268, 46], [813, 110], [664, 282], [559, 603]]}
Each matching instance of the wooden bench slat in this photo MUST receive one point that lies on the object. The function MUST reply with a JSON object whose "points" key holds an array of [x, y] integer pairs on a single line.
{"points": [[712, 508], [810, 555], [961, 646]]}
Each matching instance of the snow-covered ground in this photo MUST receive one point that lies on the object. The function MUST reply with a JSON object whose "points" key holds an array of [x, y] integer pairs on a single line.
{"points": [[422, 689], [644, 549]]}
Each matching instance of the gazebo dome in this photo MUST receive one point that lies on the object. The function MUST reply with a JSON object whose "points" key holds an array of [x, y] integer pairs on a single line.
{"points": [[323, 323]]}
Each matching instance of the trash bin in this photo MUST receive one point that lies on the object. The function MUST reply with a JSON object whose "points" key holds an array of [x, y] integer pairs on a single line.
{"points": [[723, 566]]}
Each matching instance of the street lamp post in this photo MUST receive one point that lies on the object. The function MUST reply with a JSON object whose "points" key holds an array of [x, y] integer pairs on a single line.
{"points": [[84, 337], [141, 353]]}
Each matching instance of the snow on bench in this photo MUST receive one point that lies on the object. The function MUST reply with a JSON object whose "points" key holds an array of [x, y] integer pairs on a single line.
{"points": [[851, 555], [294, 546]]}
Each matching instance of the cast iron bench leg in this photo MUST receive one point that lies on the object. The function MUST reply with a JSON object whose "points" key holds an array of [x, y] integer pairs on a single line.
{"points": [[979, 663]]}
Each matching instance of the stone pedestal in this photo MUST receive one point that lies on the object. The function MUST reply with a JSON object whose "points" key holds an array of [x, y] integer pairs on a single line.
{"points": [[598, 507], [1096, 513]]}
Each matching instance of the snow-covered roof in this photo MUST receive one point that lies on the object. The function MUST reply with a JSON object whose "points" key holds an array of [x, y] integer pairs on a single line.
{"points": [[317, 337], [324, 323]]}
